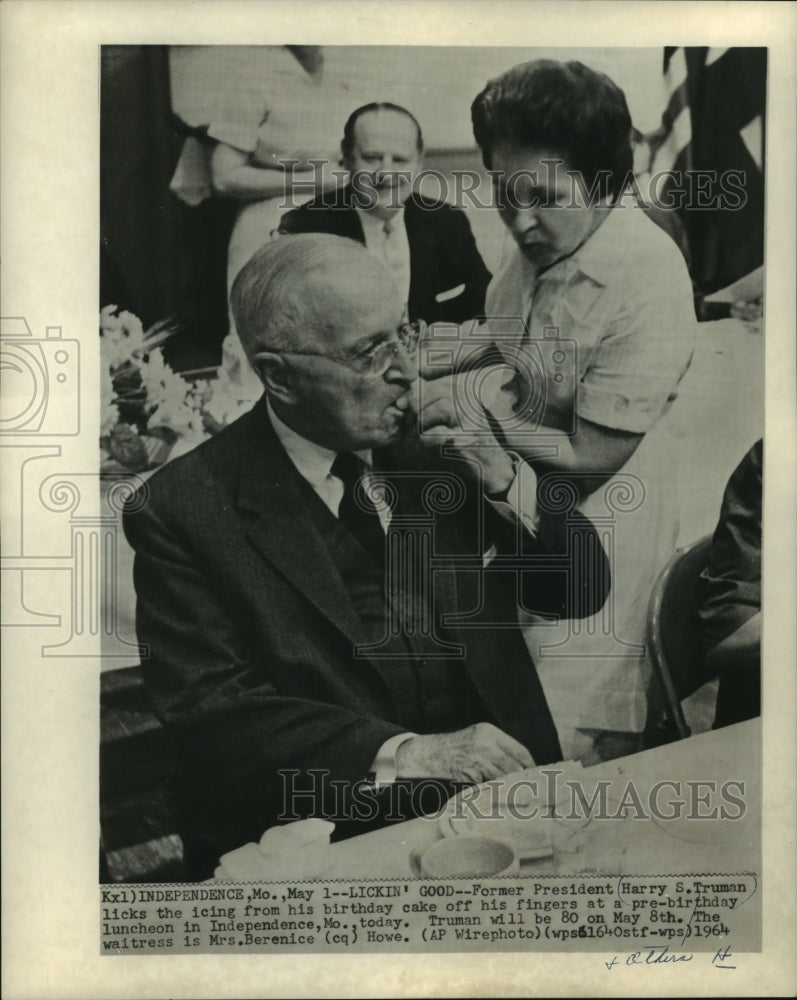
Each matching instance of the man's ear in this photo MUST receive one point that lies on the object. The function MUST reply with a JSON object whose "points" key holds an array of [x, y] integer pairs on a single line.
{"points": [[275, 375]]}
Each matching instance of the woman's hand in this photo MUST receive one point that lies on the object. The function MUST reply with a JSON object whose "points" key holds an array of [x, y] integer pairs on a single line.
{"points": [[449, 417]]}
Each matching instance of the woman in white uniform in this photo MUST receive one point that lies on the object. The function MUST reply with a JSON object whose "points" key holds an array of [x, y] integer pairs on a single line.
{"points": [[295, 117], [262, 106], [594, 310]]}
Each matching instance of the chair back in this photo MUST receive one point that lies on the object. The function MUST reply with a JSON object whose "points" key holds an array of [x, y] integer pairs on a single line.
{"points": [[673, 641]]}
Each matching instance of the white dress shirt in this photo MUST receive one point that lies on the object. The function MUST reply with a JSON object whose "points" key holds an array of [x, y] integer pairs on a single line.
{"points": [[388, 241], [314, 463]]}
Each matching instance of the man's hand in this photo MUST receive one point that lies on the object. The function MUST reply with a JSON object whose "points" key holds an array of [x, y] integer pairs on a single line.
{"points": [[478, 753], [450, 413]]}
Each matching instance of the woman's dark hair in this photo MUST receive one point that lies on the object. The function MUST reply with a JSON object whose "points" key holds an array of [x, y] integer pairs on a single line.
{"points": [[347, 144], [564, 108]]}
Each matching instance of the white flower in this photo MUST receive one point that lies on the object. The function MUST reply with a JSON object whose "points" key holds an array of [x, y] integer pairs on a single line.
{"points": [[120, 337], [171, 401], [109, 320], [109, 414], [164, 398]]}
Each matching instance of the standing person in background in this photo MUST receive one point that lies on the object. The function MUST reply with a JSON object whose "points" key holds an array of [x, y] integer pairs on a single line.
{"points": [[260, 107], [591, 271], [289, 123], [427, 245], [254, 107]]}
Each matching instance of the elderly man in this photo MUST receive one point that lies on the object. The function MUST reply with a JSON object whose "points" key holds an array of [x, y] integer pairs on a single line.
{"points": [[297, 648], [427, 245]]}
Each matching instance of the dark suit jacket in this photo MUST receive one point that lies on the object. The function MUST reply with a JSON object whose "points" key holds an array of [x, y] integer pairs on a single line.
{"points": [[730, 588], [250, 633], [443, 253]]}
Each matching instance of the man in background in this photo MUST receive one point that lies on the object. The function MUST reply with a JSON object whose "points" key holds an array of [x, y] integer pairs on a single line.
{"points": [[427, 245]]}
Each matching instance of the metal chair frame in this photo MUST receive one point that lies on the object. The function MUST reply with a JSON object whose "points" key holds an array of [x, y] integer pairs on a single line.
{"points": [[666, 611]]}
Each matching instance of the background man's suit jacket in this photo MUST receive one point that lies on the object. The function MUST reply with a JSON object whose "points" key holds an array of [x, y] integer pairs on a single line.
{"points": [[250, 633], [443, 254]]}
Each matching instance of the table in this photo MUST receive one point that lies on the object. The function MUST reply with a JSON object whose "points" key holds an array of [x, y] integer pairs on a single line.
{"points": [[729, 758]]}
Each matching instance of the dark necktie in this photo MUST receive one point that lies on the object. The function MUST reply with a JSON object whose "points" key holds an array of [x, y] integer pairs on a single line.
{"points": [[357, 510]]}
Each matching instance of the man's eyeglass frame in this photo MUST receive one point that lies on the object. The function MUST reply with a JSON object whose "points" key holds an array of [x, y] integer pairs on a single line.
{"points": [[407, 337]]}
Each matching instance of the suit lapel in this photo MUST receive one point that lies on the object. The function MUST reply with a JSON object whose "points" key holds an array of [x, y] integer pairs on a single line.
{"points": [[348, 222], [423, 262], [285, 532], [407, 466]]}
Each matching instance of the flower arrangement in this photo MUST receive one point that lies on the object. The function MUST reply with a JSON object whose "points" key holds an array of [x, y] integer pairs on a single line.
{"points": [[151, 413]]}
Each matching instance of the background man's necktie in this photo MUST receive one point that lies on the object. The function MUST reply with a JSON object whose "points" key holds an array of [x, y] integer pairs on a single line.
{"points": [[358, 512]]}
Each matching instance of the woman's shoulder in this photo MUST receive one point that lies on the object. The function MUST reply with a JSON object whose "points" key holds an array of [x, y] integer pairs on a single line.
{"points": [[650, 267], [647, 236]]}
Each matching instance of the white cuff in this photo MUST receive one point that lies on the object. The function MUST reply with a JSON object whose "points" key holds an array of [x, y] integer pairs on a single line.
{"points": [[521, 498], [384, 765]]}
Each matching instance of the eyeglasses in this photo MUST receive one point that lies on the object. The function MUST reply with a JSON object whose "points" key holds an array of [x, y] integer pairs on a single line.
{"points": [[374, 362]]}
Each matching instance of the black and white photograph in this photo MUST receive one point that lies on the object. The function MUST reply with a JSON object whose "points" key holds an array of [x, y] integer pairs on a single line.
{"points": [[413, 557], [519, 320]]}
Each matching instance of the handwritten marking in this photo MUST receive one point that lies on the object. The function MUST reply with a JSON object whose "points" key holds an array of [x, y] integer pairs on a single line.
{"points": [[661, 955], [688, 928], [657, 955], [752, 875], [723, 955]]}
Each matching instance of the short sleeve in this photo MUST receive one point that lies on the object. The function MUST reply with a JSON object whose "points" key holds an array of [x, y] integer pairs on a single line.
{"points": [[633, 373], [229, 90], [252, 90], [289, 127], [239, 135], [240, 124]]}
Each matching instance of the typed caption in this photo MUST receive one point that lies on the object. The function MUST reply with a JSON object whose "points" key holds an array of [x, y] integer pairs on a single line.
{"points": [[633, 914]]}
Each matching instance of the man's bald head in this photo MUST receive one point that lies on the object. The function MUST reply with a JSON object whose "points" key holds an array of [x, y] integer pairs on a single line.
{"points": [[297, 290]]}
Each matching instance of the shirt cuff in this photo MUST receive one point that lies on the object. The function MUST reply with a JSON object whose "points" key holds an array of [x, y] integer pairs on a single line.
{"points": [[384, 765], [520, 502]]}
